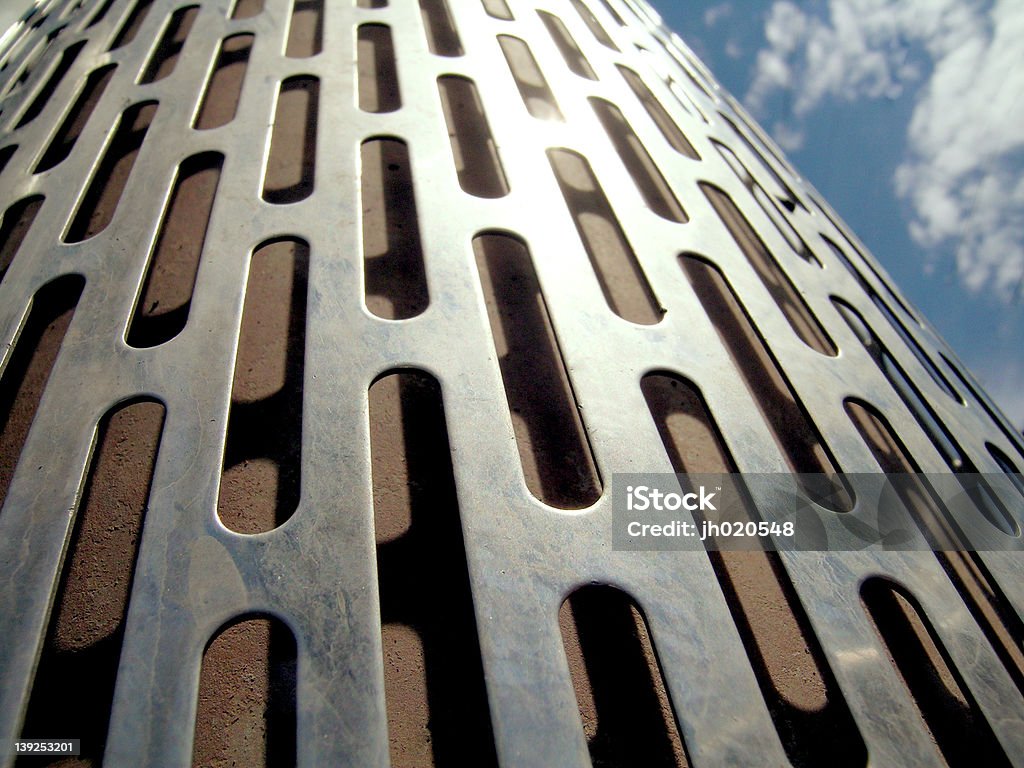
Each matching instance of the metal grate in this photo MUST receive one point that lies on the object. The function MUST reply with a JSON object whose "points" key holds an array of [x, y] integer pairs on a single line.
{"points": [[223, 224]]}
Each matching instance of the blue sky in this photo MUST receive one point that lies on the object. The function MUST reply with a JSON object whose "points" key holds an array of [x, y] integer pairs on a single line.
{"points": [[908, 116]]}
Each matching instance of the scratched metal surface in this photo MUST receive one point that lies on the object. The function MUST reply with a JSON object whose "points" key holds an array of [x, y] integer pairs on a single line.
{"points": [[317, 571]]}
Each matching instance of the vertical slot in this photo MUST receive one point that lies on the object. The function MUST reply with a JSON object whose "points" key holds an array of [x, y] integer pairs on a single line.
{"points": [[678, 51], [845, 261], [75, 120], [594, 25], [645, 174], [553, 448], [945, 704], [761, 139], [71, 9], [131, 26], [945, 443], [686, 69], [613, 13], [83, 640], [916, 349], [897, 325], [625, 709], [39, 103], [1008, 467], [867, 262], [802, 695], [28, 65], [641, 15], [28, 367], [165, 57], [791, 200], [574, 58], [103, 195], [291, 164], [100, 14], [306, 30], [6, 154], [246, 9], [537, 96], [442, 37], [378, 77], [434, 688], [498, 9], [985, 600], [396, 281], [246, 713], [14, 226], [224, 88], [936, 431], [685, 100], [768, 205], [161, 311], [793, 430], [943, 533], [473, 150], [1010, 434], [675, 137], [260, 482], [709, 99], [788, 299], [620, 275]]}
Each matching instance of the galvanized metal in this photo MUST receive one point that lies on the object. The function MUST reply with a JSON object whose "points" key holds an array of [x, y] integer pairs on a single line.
{"points": [[317, 572]]}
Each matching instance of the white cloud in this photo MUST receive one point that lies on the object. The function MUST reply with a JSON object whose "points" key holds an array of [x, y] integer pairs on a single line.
{"points": [[788, 137], [962, 175], [1002, 376], [716, 13]]}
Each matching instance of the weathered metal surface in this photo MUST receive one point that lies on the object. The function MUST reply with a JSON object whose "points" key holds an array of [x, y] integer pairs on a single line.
{"points": [[317, 571]]}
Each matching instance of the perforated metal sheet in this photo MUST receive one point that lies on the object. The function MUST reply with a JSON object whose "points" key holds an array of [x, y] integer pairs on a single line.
{"points": [[317, 572]]}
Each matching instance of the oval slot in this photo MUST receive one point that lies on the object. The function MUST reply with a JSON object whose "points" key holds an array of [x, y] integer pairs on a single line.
{"points": [[622, 279], [473, 149], [291, 161], [74, 122], [29, 365], [625, 709], [103, 194], [553, 447], [246, 713], [641, 167], [14, 227], [945, 704], [87, 623], [378, 78], [442, 37], [668, 127], [395, 279], [434, 691], [566, 44], [793, 430], [262, 472], [803, 698], [224, 87], [306, 29], [162, 310], [788, 299], [537, 96]]}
